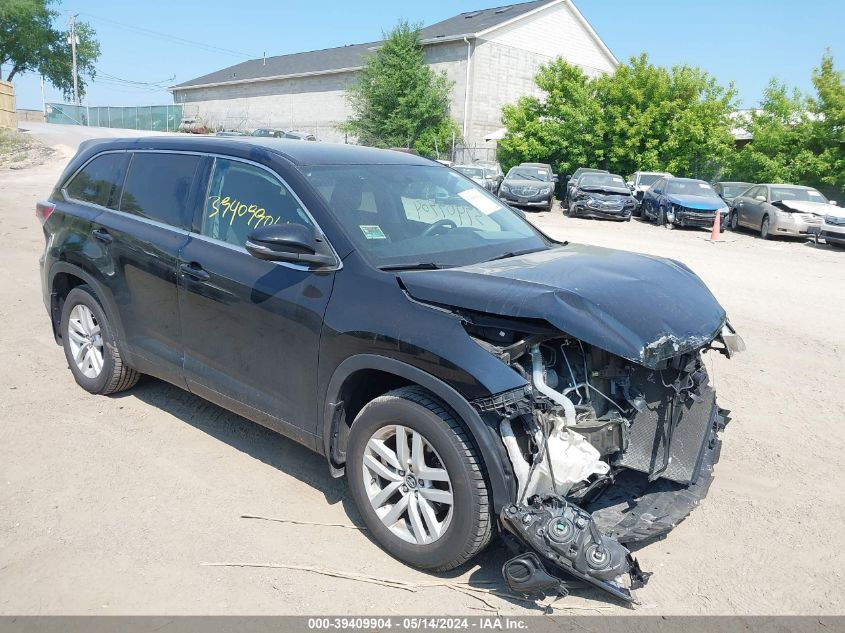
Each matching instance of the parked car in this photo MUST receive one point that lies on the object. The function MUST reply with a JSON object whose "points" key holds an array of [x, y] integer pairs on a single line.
{"points": [[481, 175], [528, 186], [571, 179], [833, 227], [599, 195], [683, 202], [780, 210], [728, 191], [299, 136], [495, 168], [268, 132], [640, 181], [226, 133], [395, 317]]}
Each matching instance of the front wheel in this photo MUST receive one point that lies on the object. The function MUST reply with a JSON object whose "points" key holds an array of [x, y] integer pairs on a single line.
{"points": [[661, 217], [734, 221], [764, 228], [418, 480]]}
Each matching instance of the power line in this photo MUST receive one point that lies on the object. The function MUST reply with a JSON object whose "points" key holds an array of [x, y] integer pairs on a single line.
{"points": [[172, 38]]}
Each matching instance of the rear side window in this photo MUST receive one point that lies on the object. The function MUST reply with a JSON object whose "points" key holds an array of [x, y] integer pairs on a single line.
{"points": [[158, 186], [100, 181], [242, 198]]}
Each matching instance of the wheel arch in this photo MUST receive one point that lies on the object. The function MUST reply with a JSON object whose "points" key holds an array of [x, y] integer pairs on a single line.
{"points": [[63, 278], [382, 374]]}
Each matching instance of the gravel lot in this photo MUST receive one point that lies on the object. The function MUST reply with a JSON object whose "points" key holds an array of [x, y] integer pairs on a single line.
{"points": [[111, 505]]}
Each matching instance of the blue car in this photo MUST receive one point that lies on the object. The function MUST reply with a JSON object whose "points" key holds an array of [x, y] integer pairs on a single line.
{"points": [[683, 202]]}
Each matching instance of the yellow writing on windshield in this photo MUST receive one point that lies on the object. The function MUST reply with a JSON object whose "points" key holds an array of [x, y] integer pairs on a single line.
{"points": [[236, 210]]}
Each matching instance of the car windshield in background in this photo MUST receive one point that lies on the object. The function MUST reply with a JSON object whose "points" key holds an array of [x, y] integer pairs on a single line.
{"points": [[601, 180], [732, 191], [797, 193], [407, 214], [472, 172], [691, 188], [647, 180], [529, 173]]}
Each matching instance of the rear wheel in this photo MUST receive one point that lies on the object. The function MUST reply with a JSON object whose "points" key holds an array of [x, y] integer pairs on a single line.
{"points": [[764, 228], [90, 345], [418, 480]]}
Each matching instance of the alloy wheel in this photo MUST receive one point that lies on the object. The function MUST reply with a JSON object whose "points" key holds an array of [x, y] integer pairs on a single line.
{"points": [[764, 228], [407, 484], [85, 340]]}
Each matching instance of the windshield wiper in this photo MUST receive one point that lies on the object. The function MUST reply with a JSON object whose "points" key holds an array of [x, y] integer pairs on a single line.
{"points": [[411, 266], [515, 254]]}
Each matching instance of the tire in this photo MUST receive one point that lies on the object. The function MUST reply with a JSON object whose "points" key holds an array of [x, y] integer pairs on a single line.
{"points": [[90, 346], [467, 524], [661, 217], [734, 221], [764, 228]]}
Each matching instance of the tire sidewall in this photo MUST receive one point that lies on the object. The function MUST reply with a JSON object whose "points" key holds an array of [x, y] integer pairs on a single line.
{"points": [[764, 228], [385, 412], [82, 295]]}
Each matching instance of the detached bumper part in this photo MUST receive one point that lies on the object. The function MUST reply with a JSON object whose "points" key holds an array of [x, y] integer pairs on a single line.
{"points": [[566, 537]]}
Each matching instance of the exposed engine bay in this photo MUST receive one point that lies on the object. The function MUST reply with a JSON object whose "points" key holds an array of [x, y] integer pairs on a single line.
{"points": [[604, 451]]}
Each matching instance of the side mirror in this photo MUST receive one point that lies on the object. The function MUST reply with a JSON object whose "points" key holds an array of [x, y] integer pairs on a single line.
{"points": [[555, 178], [760, 198], [293, 243], [630, 184], [833, 202]]}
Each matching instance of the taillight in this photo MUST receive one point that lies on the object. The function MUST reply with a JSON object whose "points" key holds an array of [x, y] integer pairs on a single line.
{"points": [[43, 211]]}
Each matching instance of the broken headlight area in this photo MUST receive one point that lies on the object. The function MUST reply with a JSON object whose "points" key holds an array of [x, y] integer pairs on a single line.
{"points": [[605, 452]]}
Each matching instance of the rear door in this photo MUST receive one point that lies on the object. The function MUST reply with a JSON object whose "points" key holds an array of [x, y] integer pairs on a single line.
{"points": [[751, 209], [142, 239], [251, 328]]}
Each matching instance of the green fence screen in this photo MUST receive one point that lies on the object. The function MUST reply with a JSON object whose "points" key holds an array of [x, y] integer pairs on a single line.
{"points": [[165, 118]]}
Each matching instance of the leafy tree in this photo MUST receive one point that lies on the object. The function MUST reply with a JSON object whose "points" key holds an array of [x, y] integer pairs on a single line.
{"points": [[639, 117], [29, 42], [399, 101], [781, 131], [828, 123]]}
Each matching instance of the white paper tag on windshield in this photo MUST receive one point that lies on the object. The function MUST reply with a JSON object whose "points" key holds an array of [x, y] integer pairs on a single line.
{"points": [[704, 185], [480, 201]]}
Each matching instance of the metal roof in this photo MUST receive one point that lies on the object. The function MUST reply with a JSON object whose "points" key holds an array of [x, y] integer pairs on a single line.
{"points": [[351, 57]]}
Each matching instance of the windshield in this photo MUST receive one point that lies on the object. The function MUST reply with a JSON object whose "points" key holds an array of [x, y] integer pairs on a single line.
{"points": [[797, 193], [529, 173], [601, 180], [647, 180], [691, 188], [733, 190], [406, 214], [472, 172]]}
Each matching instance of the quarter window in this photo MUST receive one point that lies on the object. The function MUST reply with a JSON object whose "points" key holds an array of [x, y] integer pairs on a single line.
{"points": [[158, 186], [100, 181], [244, 197]]}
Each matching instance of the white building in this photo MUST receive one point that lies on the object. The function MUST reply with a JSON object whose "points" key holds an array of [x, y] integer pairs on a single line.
{"points": [[491, 55]]}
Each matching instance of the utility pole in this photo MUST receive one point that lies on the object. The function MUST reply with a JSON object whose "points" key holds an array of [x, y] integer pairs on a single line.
{"points": [[73, 55]]}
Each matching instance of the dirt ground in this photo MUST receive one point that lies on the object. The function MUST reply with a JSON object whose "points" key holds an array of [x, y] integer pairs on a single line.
{"points": [[111, 505]]}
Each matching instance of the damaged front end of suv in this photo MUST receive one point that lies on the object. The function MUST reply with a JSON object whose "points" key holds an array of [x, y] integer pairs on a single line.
{"points": [[613, 437]]}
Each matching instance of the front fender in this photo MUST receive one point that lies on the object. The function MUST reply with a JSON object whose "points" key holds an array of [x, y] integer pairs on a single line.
{"points": [[484, 431]]}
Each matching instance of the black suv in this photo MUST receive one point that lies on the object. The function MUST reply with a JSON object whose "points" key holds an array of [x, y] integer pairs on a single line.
{"points": [[470, 374]]}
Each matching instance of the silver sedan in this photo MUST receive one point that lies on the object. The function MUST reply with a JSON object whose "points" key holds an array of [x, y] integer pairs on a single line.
{"points": [[779, 210]]}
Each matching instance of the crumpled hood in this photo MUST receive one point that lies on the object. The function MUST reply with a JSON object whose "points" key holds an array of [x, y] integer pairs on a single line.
{"points": [[804, 206], [639, 307], [539, 184], [705, 203], [602, 191]]}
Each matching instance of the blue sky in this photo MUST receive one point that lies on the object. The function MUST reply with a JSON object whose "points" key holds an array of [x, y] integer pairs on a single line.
{"points": [[744, 41]]}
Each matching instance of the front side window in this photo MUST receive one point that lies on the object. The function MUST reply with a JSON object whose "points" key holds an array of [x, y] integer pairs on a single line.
{"points": [[158, 185], [244, 197], [404, 214], [100, 181]]}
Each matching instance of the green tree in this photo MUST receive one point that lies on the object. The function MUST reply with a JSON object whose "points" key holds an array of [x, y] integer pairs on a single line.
{"points": [[29, 42], [398, 100], [828, 123], [639, 117]]}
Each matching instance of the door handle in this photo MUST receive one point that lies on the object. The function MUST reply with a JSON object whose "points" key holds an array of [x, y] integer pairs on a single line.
{"points": [[102, 235], [195, 271]]}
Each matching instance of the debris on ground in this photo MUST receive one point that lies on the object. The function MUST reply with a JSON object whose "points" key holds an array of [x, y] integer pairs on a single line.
{"points": [[20, 151]]}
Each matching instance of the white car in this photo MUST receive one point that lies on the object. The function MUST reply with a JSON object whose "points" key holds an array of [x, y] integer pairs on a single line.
{"points": [[640, 181], [833, 227]]}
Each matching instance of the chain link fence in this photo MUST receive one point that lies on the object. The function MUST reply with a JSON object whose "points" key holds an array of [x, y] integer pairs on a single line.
{"points": [[164, 118]]}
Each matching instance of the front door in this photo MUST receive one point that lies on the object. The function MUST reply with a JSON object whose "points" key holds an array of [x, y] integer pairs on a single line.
{"points": [[251, 328]]}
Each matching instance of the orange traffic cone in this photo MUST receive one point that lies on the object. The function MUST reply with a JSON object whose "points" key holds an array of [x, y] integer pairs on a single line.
{"points": [[717, 227]]}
